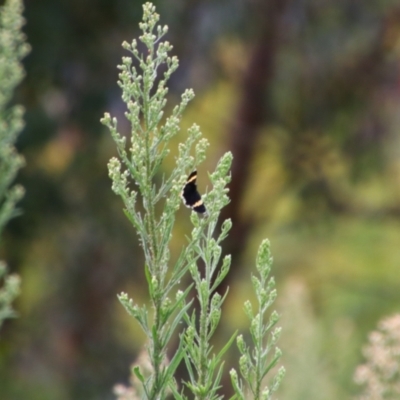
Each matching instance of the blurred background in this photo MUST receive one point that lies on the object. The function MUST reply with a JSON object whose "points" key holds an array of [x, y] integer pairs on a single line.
{"points": [[306, 95]]}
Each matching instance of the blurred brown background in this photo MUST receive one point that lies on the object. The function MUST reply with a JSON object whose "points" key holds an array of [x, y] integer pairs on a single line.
{"points": [[306, 94]]}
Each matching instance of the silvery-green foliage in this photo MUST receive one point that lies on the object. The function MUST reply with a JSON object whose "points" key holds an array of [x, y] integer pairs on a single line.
{"points": [[151, 207], [12, 49], [257, 361], [140, 157], [8, 292], [205, 367]]}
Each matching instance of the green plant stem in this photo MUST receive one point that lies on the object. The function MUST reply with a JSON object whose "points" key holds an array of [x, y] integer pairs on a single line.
{"points": [[156, 272], [203, 338]]}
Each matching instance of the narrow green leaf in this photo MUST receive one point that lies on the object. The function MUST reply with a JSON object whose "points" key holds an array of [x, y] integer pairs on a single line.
{"points": [[176, 321], [226, 347], [175, 361], [138, 374]]}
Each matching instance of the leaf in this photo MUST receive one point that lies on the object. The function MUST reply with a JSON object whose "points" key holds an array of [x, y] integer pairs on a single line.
{"points": [[175, 361], [178, 319], [149, 280], [226, 347], [138, 374]]}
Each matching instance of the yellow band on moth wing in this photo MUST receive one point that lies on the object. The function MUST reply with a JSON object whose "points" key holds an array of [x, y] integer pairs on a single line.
{"points": [[193, 178]]}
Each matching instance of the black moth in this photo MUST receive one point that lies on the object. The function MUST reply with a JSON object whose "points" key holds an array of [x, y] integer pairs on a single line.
{"points": [[191, 197]]}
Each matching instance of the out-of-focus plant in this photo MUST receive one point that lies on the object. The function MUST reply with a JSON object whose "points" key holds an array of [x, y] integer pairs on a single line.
{"points": [[133, 175], [256, 361], [12, 49], [380, 374]]}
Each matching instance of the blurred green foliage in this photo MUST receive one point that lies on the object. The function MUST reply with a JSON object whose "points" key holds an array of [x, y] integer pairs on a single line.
{"points": [[320, 180], [12, 49]]}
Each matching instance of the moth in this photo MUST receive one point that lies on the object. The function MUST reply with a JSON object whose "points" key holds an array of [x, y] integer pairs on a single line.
{"points": [[191, 197]]}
